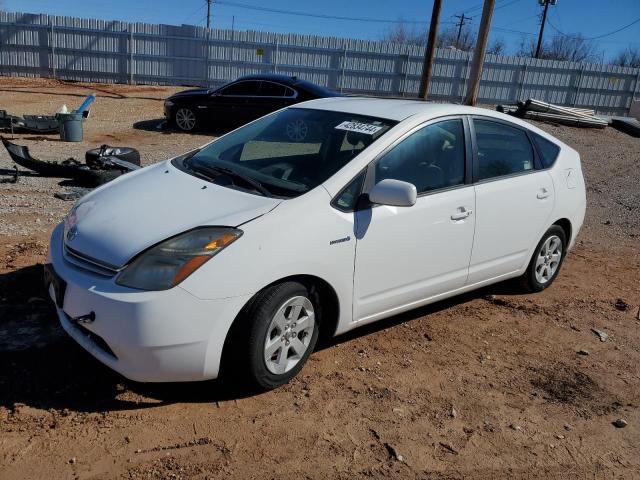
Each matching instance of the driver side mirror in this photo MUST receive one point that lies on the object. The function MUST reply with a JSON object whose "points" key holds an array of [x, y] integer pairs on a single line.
{"points": [[395, 193]]}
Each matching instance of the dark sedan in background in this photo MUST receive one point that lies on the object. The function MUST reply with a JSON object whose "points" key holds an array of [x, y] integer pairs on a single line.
{"points": [[239, 102]]}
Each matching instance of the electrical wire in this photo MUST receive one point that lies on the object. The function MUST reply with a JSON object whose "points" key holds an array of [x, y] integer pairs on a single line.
{"points": [[314, 15], [598, 36]]}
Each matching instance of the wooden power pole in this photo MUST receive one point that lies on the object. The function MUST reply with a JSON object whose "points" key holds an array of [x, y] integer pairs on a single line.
{"points": [[546, 4], [209, 2], [460, 24], [478, 54], [430, 52]]}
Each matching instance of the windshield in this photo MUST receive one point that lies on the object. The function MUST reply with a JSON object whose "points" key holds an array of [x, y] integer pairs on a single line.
{"points": [[287, 153]]}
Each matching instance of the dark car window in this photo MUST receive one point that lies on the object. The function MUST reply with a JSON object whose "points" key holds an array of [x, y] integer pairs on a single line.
{"points": [[245, 88], [502, 150], [289, 152], [548, 150], [431, 158], [271, 89], [289, 92]]}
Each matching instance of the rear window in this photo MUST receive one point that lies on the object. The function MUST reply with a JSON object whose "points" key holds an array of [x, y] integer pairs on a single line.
{"points": [[547, 150]]}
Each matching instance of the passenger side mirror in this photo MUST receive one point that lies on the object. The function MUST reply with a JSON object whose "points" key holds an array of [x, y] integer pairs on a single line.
{"points": [[395, 193]]}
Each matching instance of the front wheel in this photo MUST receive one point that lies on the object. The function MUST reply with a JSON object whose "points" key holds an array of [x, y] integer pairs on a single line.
{"points": [[282, 332], [546, 260], [185, 119]]}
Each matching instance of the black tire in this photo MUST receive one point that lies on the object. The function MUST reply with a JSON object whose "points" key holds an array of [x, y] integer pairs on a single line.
{"points": [[123, 153], [530, 280], [184, 125], [86, 177], [247, 351]]}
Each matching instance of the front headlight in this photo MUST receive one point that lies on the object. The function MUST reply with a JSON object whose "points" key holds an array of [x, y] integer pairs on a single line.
{"points": [[170, 262], [168, 103]]}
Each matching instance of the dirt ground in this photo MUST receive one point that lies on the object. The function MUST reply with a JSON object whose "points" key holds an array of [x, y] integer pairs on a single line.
{"points": [[493, 384]]}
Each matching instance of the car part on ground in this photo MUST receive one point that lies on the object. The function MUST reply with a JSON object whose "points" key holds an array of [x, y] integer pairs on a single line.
{"points": [[14, 176], [630, 126], [74, 193], [104, 170], [547, 112], [123, 153], [29, 123]]}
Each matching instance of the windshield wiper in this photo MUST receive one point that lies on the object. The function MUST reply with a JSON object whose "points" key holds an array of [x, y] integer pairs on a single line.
{"points": [[213, 171]]}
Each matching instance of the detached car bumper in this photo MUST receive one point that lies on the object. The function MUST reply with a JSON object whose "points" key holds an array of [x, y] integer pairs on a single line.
{"points": [[166, 336]]}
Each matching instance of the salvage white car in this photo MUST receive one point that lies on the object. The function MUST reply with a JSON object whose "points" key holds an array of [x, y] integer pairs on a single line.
{"points": [[313, 220]]}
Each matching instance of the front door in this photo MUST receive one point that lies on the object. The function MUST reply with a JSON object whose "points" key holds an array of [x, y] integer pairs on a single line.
{"points": [[406, 255]]}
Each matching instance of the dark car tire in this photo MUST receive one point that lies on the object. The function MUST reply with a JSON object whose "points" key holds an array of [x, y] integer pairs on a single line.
{"points": [[185, 119], [546, 260], [123, 153], [257, 327]]}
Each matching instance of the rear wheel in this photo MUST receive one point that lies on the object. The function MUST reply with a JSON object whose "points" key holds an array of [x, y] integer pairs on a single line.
{"points": [[282, 329], [185, 119], [546, 260]]}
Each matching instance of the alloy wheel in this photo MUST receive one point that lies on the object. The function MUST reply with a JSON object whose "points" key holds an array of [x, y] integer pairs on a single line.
{"points": [[289, 335], [548, 259], [185, 119]]}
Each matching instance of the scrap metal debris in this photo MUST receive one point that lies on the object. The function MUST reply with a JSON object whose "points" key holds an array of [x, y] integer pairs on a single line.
{"points": [[101, 170], [29, 123], [547, 112], [13, 178]]}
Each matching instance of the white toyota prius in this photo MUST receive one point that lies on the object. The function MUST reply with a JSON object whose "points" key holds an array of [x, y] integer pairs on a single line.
{"points": [[313, 220]]}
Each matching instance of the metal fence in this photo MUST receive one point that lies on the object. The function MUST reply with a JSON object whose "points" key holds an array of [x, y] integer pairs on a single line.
{"points": [[113, 51]]}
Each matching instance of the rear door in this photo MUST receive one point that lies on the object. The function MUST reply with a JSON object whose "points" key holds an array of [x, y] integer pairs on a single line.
{"points": [[514, 199], [405, 255]]}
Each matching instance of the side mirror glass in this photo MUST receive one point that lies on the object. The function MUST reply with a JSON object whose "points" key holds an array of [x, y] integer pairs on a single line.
{"points": [[395, 193]]}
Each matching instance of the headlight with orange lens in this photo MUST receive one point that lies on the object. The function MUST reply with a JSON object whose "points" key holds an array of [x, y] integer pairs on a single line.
{"points": [[170, 262]]}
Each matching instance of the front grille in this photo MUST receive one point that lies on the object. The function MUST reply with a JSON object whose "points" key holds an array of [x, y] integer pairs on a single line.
{"points": [[87, 263]]}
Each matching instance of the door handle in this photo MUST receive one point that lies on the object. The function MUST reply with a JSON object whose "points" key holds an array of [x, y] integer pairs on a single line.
{"points": [[543, 193], [461, 214]]}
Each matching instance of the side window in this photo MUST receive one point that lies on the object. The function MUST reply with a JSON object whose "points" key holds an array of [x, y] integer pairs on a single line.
{"points": [[502, 150], [548, 150], [348, 197], [270, 89], [431, 158], [289, 92], [248, 88]]}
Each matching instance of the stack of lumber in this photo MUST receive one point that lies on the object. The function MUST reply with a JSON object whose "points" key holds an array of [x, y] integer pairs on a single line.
{"points": [[547, 112]]}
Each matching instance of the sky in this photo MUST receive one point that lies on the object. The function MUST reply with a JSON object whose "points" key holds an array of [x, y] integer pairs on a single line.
{"points": [[513, 20]]}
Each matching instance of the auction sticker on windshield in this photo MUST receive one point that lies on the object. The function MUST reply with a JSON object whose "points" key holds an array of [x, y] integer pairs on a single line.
{"points": [[359, 127]]}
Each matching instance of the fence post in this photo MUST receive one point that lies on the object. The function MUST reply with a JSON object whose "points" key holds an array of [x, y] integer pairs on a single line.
{"points": [[277, 57], [578, 86], [344, 62], [130, 54], [633, 93], [522, 79], [53, 53]]}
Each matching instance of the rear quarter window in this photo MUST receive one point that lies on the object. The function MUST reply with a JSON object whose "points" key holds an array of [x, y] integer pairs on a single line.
{"points": [[547, 150]]}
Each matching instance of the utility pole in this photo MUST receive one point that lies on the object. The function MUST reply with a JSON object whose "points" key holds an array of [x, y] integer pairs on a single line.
{"points": [[460, 24], [546, 4], [478, 54], [430, 51], [209, 2]]}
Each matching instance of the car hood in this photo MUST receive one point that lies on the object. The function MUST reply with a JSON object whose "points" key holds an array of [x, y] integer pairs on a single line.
{"points": [[138, 210], [195, 93]]}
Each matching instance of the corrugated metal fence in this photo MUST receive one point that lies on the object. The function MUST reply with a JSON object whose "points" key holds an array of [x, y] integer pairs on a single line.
{"points": [[112, 51]]}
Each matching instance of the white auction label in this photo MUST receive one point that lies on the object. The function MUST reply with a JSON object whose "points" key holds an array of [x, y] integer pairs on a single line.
{"points": [[359, 127]]}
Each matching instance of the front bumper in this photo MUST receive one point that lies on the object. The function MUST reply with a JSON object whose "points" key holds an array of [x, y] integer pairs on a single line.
{"points": [[166, 336]]}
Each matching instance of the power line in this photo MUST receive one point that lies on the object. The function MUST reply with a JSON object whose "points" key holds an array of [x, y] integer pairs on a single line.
{"points": [[314, 15], [598, 36]]}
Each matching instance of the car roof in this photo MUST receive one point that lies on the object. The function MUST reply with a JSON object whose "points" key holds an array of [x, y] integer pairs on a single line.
{"points": [[389, 108]]}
